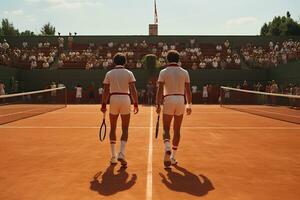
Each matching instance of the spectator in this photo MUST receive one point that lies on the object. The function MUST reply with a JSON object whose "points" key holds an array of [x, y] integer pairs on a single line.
{"points": [[40, 45], [202, 65], [91, 90], [150, 93], [237, 61], [78, 94], [194, 89], [194, 66], [219, 48], [2, 88], [45, 65], [47, 44], [226, 44], [110, 44], [5, 46], [245, 85], [228, 60], [53, 92], [25, 45], [138, 64], [205, 94], [33, 64], [274, 87], [100, 92], [215, 63], [192, 42], [70, 41], [60, 41]]}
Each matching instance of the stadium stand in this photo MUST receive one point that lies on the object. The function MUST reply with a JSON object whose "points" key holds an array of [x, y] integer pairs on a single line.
{"points": [[195, 53]]}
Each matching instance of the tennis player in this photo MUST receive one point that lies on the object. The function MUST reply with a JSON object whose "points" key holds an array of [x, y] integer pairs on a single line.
{"points": [[173, 87], [119, 85]]}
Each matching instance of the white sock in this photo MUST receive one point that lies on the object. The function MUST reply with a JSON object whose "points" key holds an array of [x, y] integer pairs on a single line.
{"points": [[122, 148], [113, 148], [167, 145]]}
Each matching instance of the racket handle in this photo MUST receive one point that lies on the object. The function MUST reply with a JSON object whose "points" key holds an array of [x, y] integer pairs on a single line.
{"points": [[104, 115]]}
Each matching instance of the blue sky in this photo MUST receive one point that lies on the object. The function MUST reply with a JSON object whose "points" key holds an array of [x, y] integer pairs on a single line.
{"points": [[131, 17]]}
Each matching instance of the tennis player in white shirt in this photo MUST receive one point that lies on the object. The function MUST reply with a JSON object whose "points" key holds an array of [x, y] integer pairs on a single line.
{"points": [[173, 87], [119, 85]]}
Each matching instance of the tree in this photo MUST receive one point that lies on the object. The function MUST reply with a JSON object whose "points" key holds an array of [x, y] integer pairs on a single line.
{"points": [[264, 30], [8, 28], [281, 26], [48, 29], [27, 33]]}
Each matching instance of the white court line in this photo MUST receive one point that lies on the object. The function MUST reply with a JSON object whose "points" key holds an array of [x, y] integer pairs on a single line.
{"points": [[200, 112], [149, 165], [146, 127], [266, 111], [19, 112]]}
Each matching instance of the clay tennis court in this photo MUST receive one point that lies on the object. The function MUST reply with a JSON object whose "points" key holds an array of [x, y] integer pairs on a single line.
{"points": [[223, 154]]}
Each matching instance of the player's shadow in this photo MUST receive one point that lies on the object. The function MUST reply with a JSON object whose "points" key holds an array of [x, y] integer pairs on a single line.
{"points": [[111, 183], [187, 182]]}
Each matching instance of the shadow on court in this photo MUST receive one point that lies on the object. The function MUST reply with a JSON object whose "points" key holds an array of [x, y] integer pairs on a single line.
{"points": [[183, 180], [111, 183]]}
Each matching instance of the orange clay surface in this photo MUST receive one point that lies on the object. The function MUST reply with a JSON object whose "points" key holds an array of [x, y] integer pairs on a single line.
{"points": [[223, 154]]}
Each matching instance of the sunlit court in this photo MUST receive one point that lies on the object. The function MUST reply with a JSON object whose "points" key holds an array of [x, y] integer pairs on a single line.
{"points": [[149, 100], [224, 153]]}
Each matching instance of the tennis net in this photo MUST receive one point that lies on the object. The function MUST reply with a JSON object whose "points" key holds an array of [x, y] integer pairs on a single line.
{"points": [[15, 107], [272, 105]]}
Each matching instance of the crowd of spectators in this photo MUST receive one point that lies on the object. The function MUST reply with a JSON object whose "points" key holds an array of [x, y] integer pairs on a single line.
{"points": [[40, 56], [194, 54], [271, 55]]}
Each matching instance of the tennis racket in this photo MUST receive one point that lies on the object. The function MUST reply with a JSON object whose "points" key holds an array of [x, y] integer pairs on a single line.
{"points": [[102, 131], [157, 127]]}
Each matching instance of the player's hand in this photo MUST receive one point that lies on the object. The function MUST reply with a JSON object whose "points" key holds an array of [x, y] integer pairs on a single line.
{"points": [[188, 111], [135, 110], [158, 109]]}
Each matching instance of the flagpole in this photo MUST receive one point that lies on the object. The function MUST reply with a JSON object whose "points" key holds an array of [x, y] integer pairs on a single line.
{"points": [[155, 13]]}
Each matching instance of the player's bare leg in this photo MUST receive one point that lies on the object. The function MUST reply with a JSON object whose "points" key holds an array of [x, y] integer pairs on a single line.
{"points": [[124, 138], [166, 137], [176, 138], [112, 137]]}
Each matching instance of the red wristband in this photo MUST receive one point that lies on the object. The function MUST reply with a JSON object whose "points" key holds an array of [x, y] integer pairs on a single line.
{"points": [[135, 105], [103, 106]]}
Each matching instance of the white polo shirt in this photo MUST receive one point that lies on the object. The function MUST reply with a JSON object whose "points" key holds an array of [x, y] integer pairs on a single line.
{"points": [[174, 79], [118, 79]]}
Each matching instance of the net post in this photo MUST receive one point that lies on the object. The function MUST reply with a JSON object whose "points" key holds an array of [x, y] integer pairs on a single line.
{"points": [[221, 96], [66, 96]]}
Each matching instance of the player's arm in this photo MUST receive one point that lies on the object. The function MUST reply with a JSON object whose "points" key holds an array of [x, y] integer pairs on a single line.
{"points": [[159, 96], [188, 95], [105, 97], [134, 96]]}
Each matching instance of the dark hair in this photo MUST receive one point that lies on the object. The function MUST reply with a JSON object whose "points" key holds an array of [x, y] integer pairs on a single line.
{"points": [[173, 56], [120, 59]]}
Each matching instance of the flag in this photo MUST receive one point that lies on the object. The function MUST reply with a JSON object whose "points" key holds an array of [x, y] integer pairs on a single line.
{"points": [[155, 13]]}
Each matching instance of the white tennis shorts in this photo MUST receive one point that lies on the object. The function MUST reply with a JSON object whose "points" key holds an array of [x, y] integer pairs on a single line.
{"points": [[120, 104], [174, 105]]}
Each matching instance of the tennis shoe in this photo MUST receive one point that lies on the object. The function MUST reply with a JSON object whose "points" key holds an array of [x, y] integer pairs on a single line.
{"points": [[113, 160], [173, 161], [167, 159], [121, 159]]}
